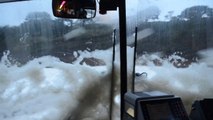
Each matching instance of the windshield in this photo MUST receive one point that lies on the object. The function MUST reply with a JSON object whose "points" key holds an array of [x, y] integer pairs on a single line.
{"points": [[63, 69], [54, 68], [174, 50]]}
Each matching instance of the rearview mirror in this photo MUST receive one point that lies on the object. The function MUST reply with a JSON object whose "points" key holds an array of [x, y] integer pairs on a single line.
{"points": [[77, 9]]}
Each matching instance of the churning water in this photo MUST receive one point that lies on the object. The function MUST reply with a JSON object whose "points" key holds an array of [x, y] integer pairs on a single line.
{"points": [[46, 88]]}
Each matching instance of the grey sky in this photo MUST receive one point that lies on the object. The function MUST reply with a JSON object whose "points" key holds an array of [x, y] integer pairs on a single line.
{"points": [[15, 13], [165, 5]]}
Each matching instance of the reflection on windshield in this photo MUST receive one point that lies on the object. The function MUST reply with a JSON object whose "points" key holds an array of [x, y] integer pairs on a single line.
{"points": [[176, 57]]}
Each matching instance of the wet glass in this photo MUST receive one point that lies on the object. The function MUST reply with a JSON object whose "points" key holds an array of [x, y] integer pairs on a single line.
{"points": [[54, 68], [174, 49]]}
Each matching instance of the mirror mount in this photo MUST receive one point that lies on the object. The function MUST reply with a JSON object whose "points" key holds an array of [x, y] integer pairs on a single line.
{"points": [[107, 5]]}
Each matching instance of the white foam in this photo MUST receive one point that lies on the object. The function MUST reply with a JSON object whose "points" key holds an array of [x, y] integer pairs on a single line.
{"points": [[190, 83], [49, 89]]}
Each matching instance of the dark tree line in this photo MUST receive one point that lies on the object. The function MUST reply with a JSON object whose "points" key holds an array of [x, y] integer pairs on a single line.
{"points": [[40, 35], [188, 33]]}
